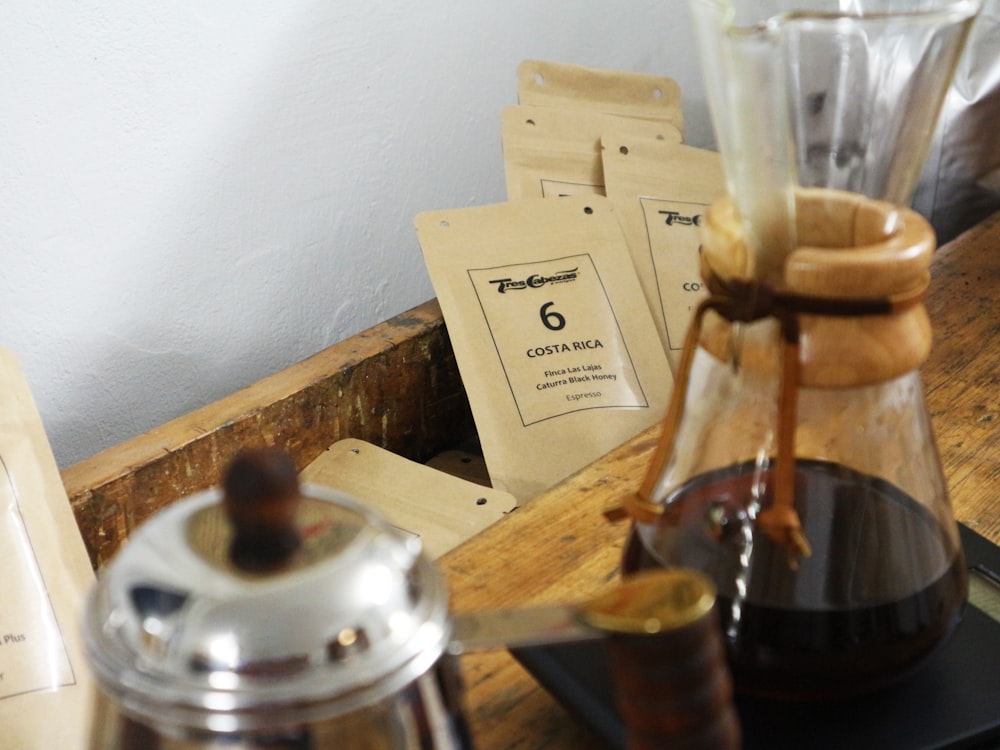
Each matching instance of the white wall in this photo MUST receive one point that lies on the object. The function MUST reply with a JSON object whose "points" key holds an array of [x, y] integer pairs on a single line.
{"points": [[196, 194]]}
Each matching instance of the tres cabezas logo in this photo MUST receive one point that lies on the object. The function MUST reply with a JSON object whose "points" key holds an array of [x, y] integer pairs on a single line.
{"points": [[536, 280]]}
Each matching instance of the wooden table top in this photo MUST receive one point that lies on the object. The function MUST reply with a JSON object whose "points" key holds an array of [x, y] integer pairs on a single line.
{"points": [[559, 547]]}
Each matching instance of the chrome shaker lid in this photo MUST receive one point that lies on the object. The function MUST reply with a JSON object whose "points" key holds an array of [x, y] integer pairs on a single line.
{"points": [[215, 619]]}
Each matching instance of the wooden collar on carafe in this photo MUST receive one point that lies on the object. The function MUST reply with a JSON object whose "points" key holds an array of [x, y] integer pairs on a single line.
{"points": [[850, 313]]}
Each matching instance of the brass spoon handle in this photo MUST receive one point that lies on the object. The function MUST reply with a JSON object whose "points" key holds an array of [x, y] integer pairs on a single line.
{"points": [[657, 601]]}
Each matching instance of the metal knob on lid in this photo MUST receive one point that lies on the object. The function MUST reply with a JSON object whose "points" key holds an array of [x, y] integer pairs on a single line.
{"points": [[263, 607], [262, 501]]}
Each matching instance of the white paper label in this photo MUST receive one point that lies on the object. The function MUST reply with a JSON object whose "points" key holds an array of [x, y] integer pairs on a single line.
{"points": [[558, 338]]}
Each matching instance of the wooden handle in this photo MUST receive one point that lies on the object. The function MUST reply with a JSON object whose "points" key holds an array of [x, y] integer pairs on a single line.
{"points": [[667, 661], [262, 499], [850, 247]]}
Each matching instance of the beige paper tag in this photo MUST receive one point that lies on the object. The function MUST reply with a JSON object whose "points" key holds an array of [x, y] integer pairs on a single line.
{"points": [[660, 191], [614, 92], [556, 151], [45, 689], [556, 346], [441, 509]]}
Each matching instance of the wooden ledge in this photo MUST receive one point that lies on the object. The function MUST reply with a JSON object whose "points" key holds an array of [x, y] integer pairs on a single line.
{"points": [[395, 385]]}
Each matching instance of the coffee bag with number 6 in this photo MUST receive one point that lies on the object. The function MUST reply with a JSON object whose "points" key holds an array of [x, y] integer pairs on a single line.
{"points": [[556, 346]]}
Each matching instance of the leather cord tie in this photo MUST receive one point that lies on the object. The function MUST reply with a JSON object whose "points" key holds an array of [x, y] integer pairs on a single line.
{"points": [[746, 301]]}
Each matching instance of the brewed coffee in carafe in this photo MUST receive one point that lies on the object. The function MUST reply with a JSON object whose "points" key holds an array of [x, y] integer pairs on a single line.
{"points": [[797, 465]]}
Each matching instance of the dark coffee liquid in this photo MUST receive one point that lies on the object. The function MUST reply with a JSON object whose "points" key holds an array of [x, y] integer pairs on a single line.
{"points": [[885, 584]]}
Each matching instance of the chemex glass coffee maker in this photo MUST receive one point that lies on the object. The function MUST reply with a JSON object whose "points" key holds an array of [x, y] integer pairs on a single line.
{"points": [[797, 465]]}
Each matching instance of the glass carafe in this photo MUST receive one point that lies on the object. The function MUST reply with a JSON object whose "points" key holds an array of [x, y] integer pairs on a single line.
{"points": [[799, 470], [797, 466]]}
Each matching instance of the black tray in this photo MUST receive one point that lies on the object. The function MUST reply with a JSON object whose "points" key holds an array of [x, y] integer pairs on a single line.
{"points": [[953, 701]]}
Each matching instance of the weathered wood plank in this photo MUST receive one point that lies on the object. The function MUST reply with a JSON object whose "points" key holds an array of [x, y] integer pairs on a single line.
{"points": [[395, 385], [962, 376]]}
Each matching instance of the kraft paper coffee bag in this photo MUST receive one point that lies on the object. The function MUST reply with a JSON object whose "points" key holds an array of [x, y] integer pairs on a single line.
{"points": [[45, 688], [615, 92], [556, 346], [660, 191], [556, 151]]}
